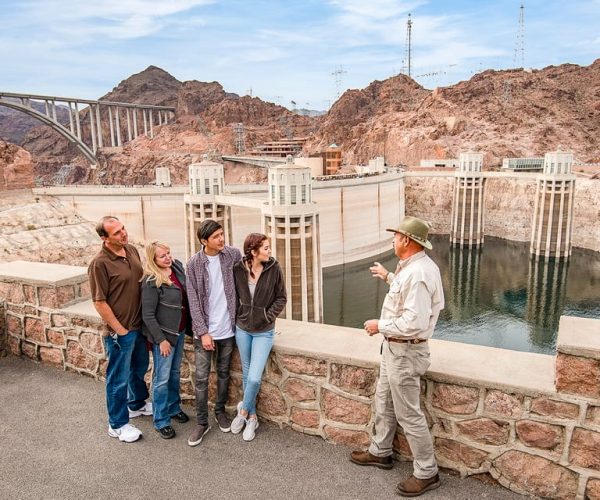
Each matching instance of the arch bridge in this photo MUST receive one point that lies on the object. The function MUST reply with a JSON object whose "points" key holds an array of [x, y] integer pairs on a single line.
{"points": [[108, 123]]}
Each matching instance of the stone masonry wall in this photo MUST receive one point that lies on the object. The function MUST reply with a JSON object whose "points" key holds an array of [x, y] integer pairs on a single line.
{"points": [[542, 443], [2, 328]]}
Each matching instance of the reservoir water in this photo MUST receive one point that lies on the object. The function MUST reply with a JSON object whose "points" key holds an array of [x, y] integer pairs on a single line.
{"points": [[496, 296]]}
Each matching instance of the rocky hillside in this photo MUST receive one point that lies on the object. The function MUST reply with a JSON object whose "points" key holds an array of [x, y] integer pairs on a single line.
{"points": [[43, 229], [205, 114], [501, 113]]}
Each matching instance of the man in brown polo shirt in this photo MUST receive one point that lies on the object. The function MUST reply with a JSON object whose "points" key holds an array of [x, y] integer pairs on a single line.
{"points": [[114, 276]]}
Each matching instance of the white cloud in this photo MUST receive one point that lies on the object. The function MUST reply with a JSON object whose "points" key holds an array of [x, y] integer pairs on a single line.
{"points": [[115, 19]]}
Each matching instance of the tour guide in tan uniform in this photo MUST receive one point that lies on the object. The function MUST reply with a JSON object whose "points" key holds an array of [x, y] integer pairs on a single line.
{"points": [[408, 316]]}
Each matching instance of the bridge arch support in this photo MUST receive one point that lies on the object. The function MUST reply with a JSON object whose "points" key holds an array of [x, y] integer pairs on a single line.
{"points": [[85, 150]]}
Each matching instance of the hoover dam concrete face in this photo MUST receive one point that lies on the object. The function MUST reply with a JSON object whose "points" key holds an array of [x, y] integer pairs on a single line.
{"points": [[354, 213]]}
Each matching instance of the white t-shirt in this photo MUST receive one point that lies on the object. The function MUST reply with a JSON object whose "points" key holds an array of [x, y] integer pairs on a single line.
{"points": [[219, 322]]}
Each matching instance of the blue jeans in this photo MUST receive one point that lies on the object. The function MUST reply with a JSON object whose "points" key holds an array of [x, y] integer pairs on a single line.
{"points": [[165, 383], [254, 352], [125, 385]]}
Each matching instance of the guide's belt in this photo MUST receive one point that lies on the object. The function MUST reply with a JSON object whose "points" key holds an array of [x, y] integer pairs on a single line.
{"points": [[405, 341]]}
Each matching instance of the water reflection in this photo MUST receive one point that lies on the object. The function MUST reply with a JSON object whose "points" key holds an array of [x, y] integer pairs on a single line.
{"points": [[546, 294], [464, 268], [496, 295]]}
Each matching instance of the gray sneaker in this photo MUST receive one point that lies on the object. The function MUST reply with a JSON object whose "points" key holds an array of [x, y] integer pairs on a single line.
{"points": [[223, 422], [249, 431], [197, 434], [239, 421]]}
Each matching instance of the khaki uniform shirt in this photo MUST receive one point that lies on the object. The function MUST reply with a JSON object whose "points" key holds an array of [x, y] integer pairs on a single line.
{"points": [[414, 300], [116, 280]]}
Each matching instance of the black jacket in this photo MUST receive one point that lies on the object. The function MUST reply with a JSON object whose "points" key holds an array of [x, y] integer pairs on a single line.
{"points": [[161, 308], [258, 314]]}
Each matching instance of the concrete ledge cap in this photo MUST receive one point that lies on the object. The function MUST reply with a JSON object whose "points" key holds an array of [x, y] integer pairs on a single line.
{"points": [[451, 362], [42, 273], [84, 308], [579, 337]]}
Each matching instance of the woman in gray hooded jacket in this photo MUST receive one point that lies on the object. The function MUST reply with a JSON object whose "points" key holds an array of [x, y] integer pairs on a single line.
{"points": [[165, 321], [261, 298]]}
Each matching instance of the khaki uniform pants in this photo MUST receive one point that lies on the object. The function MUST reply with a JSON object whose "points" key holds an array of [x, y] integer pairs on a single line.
{"points": [[397, 399]]}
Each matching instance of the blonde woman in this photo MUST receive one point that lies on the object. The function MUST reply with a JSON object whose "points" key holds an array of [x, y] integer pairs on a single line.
{"points": [[165, 321]]}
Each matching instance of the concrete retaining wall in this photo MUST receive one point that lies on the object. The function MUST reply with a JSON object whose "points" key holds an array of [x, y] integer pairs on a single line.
{"points": [[532, 421]]}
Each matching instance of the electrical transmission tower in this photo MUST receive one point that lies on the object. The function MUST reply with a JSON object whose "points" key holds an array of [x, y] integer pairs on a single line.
{"points": [[240, 140], [407, 48], [338, 76], [506, 92], [519, 56]]}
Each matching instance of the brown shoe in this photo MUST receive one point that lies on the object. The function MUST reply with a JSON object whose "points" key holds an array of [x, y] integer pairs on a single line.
{"points": [[413, 487], [365, 458], [197, 434]]}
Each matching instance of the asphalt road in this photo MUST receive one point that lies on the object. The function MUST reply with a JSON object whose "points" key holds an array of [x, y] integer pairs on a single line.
{"points": [[54, 444]]}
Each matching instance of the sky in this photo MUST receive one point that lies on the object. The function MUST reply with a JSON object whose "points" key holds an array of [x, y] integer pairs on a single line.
{"points": [[305, 51]]}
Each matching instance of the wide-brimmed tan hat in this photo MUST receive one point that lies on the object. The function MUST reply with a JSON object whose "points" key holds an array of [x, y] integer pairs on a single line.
{"points": [[416, 229]]}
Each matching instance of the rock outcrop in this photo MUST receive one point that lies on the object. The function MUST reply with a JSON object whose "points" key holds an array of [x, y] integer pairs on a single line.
{"points": [[43, 229], [16, 168]]}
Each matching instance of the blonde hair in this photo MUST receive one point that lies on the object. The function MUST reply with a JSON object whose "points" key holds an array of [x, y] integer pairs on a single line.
{"points": [[151, 271]]}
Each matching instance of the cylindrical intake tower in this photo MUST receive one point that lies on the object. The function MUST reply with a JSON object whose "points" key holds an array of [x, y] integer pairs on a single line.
{"points": [[291, 221], [206, 183], [553, 212], [467, 201]]}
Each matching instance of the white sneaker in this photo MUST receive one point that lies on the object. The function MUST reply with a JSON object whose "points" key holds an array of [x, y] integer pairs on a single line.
{"points": [[237, 424], [249, 431], [128, 433], [144, 410]]}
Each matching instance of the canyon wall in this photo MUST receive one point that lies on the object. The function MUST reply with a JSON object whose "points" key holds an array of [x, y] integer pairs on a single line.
{"points": [[509, 204]]}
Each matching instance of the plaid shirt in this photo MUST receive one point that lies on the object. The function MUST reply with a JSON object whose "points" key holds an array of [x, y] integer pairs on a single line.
{"points": [[198, 283]]}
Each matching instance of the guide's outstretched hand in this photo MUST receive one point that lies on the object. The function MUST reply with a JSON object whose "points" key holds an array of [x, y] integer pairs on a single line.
{"points": [[378, 271]]}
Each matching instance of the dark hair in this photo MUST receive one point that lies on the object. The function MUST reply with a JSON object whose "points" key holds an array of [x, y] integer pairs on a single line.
{"points": [[100, 226], [252, 243], [206, 229]]}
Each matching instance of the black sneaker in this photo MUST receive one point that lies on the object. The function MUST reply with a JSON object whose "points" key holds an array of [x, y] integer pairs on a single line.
{"points": [[223, 421], [181, 417], [166, 432]]}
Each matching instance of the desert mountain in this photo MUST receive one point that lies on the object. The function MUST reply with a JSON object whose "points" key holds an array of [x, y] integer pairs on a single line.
{"points": [[205, 114], [501, 113]]}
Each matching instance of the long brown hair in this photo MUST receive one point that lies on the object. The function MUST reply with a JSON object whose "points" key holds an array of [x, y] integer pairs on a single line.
{"points": [[252, 243]]}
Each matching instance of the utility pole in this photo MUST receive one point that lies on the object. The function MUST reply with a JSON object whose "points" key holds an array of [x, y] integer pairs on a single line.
{"points": [[519, 55]]}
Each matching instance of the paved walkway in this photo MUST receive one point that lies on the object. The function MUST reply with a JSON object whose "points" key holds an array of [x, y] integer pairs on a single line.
{"points": [[53, 444]]}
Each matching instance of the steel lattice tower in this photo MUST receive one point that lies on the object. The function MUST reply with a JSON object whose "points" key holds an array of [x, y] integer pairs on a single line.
{"points": [[519, 56], [407, 47]]}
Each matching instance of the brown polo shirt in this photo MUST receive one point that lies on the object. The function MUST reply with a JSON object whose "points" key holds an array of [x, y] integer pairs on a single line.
{"points": [[116, 280]]}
